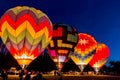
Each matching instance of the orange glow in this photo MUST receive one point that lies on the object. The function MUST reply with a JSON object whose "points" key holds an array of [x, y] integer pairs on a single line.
{"points": [[23, 56], [24, 59], [63, 51]]}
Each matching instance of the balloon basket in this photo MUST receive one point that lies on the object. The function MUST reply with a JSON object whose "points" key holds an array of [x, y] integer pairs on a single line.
{"points": [[24, 63], [60, 66]]}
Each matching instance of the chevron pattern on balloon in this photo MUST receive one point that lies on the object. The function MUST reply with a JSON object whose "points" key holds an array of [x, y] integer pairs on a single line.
{"points": [[25, 24], [25, 31]]}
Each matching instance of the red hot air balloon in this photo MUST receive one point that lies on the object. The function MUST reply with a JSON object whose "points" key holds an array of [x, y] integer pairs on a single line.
{"points": [[63, 42], [26, 32], [84, 50], [100, 57]]}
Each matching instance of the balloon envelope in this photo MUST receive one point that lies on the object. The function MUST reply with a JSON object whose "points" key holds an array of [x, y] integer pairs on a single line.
{"points": [[25, 31], [84, 50], [100, 57], [63, 42]]}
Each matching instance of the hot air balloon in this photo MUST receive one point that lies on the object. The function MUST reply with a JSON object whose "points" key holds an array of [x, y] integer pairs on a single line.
{"points": [[100, 57], [84, 50], [63, 42], [26, 32]]}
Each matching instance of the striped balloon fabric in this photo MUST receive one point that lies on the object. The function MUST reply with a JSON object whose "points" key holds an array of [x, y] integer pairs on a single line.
{"points": [[25, 31]]}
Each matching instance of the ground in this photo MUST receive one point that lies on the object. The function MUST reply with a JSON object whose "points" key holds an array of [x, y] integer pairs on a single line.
{"points": [[72, 77]]}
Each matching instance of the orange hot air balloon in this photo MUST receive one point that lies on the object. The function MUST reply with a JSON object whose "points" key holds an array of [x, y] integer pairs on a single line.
{"points": [[100, 57], [26, 32], [62, 43], [84, 50]]}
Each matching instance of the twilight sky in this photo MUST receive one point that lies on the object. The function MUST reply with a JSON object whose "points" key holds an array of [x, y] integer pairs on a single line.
{"points": [[99, 18]]}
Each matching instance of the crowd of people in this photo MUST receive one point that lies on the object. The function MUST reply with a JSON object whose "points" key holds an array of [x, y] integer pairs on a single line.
{"points": [[27, 75], [38, 76]]}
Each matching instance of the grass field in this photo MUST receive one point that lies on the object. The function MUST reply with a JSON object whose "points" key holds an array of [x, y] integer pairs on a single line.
{"points": [[71, 77]]}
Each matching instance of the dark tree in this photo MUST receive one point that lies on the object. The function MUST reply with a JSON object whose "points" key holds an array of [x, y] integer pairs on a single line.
{"points": [[114, 67]]}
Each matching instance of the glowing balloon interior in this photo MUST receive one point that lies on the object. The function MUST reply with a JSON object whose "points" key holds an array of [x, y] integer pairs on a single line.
{"points": [[25, 31], [84, 50], [100, 57], [63, 42]]}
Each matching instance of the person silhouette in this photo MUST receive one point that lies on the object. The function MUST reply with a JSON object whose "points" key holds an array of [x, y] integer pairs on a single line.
{"points": [[4, 74], [55, 73], [21, 73]]}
